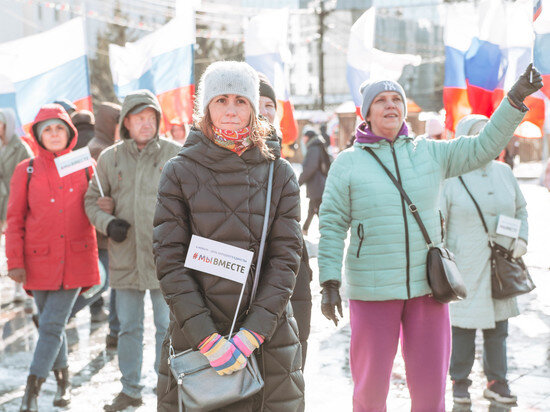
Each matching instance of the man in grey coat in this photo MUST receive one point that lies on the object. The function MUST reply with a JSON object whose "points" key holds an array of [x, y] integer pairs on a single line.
{"points": [[129, 172]]}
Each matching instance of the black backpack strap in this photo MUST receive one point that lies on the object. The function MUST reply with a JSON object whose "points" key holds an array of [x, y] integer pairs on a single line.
{"points": [[410, 204], [30, 171], [87, 174]]}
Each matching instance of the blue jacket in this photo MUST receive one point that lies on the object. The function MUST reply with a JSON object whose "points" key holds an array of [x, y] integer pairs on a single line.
{"points": [[360, 196]]}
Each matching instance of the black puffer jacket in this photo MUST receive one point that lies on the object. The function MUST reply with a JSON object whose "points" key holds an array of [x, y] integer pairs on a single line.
{"points": [[211, 192]]}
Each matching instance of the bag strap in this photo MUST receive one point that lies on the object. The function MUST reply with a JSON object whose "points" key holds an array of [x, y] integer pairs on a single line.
{"points": [[30, 171], [264, 235], [410, 204], [260, 252], [477, 208]]}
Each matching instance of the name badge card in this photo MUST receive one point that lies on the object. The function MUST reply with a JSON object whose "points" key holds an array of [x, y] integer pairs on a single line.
{"points": [[218, 259], [508, 226]]}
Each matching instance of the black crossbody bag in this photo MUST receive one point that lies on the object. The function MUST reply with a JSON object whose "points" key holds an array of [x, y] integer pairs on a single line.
{"points": [[443, 275], [509, 276]]}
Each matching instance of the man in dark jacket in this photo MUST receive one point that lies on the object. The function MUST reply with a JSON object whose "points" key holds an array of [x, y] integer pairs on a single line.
{"points": [[301, 296], [314, 174]]}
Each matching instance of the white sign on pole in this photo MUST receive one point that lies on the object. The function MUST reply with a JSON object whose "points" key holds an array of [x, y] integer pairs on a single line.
{"points": [[218, 259], [508, 226], [74, 161]]}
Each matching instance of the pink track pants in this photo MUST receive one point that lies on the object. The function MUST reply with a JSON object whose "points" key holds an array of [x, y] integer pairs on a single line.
{"points": [[376, 326]]}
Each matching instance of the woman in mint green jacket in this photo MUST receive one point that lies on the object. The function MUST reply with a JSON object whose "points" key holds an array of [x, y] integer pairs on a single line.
{"points": [[385, 263]]}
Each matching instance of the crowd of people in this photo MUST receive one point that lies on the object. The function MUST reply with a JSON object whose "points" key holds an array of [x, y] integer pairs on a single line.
{"points": [[151, 196]]}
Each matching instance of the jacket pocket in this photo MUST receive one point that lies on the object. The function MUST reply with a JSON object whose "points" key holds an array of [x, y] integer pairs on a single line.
{"points": [[37, 250], [361, 236], [80, 246]]}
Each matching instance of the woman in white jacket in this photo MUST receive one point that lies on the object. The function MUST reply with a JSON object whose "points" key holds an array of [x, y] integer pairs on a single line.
{"points": [[496, 191]]}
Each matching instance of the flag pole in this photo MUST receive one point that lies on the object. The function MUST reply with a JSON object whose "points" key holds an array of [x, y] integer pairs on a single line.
{"points": [[236, 312], [97, 180]]}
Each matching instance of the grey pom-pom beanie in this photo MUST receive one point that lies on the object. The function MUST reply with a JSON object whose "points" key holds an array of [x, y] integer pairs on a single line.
{"points": [[229, 77], [372, 88]]}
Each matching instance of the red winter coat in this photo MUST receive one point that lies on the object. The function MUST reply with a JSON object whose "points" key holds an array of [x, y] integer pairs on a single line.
{"points": [[48, 232]]}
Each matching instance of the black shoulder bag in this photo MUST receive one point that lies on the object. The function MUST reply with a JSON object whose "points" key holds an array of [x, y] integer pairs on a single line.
{"points": [[443, 275], [509, 276]]}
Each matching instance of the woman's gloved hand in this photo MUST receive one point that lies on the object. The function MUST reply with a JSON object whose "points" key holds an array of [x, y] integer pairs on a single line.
{"points": [[528, 83], [223, 356], [520, 249], [246, 341], [117, 230], [331, 300]]}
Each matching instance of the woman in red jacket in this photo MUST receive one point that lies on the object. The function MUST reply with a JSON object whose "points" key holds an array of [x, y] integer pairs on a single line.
{"points": [[50, 245]]}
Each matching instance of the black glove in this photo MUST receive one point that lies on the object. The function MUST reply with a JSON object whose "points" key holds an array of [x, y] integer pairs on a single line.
{"points": [[330, 300], [528, 83], [118, 229]]}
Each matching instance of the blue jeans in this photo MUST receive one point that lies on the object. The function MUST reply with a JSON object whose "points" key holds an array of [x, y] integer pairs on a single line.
{"points": [[495, 364], [130, 310], [54, 307], [114, 324]]}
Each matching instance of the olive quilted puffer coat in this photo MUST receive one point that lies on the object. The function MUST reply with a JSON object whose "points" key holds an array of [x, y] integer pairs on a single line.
{"points": [[211, 192]]}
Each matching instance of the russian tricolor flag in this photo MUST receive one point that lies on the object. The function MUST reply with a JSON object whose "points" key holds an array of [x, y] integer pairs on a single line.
{"points": [[485, 58], [542, 46], [365, 62], [266, 50], [537, 9], [161, 62], [42, 68]]}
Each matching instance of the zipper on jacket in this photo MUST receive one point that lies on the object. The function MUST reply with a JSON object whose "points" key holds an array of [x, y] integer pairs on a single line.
{"points": [[404, 210], [361, 235]]}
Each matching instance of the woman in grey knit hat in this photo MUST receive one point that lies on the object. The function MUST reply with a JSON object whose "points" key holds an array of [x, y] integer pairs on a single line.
{"points": [[216, 188], [389, 295]]}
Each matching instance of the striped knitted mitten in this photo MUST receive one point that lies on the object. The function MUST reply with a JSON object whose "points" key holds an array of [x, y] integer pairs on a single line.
{"points": [[223, 356], [246, 341]]}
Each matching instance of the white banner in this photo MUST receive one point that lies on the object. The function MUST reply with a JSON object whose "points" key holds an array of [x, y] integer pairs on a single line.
{"points": [[74, 161], [218, 259]]}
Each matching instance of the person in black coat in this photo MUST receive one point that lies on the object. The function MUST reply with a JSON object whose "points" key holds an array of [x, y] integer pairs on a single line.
{"points": [[314, 174], [216, 188], [301, 296]]}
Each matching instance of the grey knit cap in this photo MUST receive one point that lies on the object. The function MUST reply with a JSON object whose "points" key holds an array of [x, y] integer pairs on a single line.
{"points": [[372, 88], [42, 125], [229, 77]]}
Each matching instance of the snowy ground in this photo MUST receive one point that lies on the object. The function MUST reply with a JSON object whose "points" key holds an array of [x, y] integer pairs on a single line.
{"points": [[95, 373]]}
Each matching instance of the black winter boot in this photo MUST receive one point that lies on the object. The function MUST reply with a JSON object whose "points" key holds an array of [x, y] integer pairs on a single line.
{"points": [[29, 402], [62, 396]]}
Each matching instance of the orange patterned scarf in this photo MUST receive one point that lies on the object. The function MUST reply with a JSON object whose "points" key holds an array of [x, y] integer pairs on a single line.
{"points": [[235, 140]]}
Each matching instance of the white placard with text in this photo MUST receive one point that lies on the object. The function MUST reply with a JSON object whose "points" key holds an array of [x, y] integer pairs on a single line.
{"points": [[218, 259], [508, 226], [74, 161]]}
